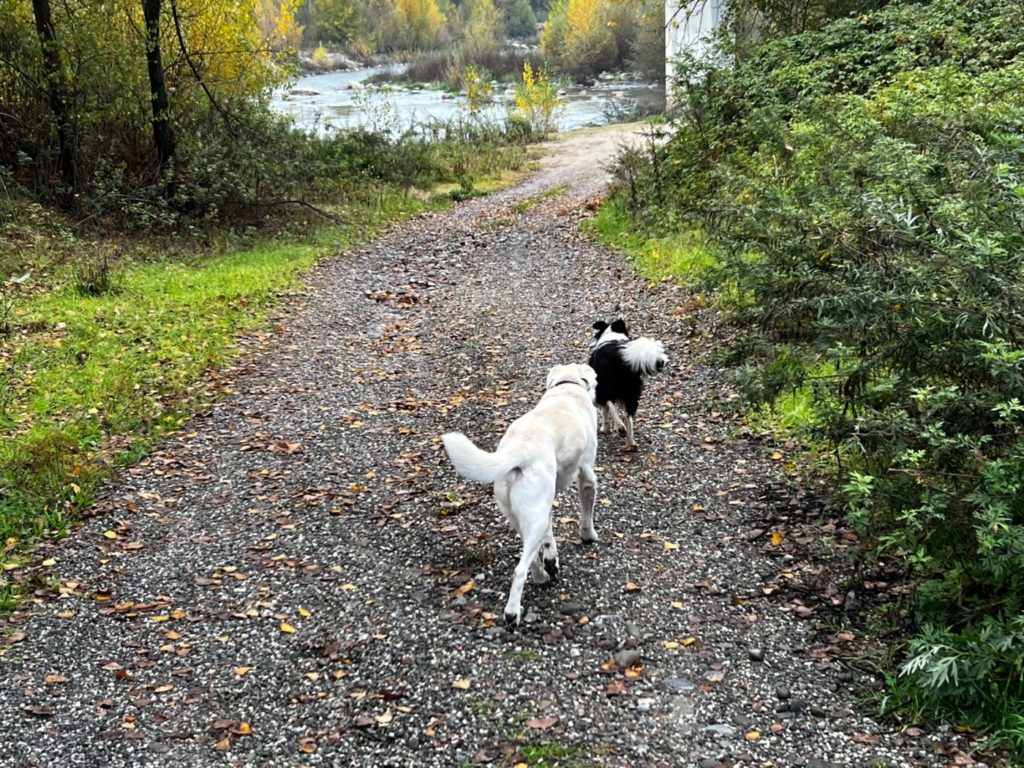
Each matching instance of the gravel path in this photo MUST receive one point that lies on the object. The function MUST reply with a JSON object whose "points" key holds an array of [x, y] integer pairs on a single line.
{"points": [[299, 577]]}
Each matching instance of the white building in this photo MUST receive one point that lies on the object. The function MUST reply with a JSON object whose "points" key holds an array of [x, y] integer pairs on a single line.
{"points": [[688, 26]]}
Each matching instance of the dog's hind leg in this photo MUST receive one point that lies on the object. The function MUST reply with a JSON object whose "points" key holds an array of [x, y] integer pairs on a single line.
{"points": [[549, 557], [587, 482], [630, 442], [532, 527], [620, 428]]}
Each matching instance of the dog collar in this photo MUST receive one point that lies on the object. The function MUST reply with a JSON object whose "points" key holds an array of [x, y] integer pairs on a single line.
{"points": [[567, 381]]}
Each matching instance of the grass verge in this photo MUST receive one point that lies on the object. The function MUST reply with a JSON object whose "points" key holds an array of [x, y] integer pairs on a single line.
{"points": [[95, 366], [682, 258]]}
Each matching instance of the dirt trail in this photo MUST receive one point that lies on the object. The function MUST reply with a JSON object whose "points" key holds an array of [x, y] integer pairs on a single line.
{"points": [[299, 578]]}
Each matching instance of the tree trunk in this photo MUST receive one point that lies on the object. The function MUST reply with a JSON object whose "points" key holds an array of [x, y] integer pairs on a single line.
{"points": [[163, 135], [57, 96]]}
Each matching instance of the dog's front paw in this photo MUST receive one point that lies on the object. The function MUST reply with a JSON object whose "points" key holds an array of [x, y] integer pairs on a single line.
{"points": [[621, 430], [589, 536], [631, 448], [513, 618]]}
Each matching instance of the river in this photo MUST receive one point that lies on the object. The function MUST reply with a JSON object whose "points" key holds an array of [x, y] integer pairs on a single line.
{"points": [[338, 100]]}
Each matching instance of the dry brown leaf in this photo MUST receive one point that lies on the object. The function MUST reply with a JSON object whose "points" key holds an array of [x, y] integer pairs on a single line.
{"points": [[541, 723], [631, 587]]}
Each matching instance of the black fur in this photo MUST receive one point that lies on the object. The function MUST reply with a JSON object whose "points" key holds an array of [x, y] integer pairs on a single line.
{"points": [[616, 381]]}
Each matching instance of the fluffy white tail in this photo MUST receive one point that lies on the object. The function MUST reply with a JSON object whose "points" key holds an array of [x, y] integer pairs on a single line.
{"points": [[644, 355], [476, 464]]}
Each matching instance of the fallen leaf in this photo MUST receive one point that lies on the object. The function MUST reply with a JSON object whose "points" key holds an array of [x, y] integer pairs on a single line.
{"points": [[243, 729], [541, 723], [17, 637], [670, 545], [751, 735], [54, 679], [465, 587], [287, 628], [163, 688], [384, 719], [865, 738], [631, 587], [776, 538], [239, 671], [304, 612], [462, 684], [677, 604], [110, 534], [615, 688], [307, 744], [635, 671], [223, 745]]}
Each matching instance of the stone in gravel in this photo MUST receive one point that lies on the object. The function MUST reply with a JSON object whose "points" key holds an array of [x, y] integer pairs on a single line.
{"points": [[570, 609], [722, 730], [627, 658], [755, 654], [818, 711], [678, 685]]}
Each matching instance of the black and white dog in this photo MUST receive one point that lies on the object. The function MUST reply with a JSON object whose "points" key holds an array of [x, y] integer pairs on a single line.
{"points": [[621, 363]]}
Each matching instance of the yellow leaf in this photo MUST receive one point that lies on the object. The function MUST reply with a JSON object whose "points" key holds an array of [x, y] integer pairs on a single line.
{"points": [[239, 671], [465, 587], [776, 538], [49, 562], [304, 612], [287, 628], [677, 604], [314, 676], [752, 736], [776, 456], [110, 534], [347, 587], [172, 635], [688, 641], [631, 587], [160, 619], [223, 744], [384, 719], [670, 545], [163, 688], [462, 684], [243, 729], [65, 614], [671, 644]]}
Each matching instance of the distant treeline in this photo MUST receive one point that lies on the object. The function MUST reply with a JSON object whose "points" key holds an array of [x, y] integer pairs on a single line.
{"points": [[578, 37]]}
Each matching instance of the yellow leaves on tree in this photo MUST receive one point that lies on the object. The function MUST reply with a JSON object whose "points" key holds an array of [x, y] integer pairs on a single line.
{"points": [[577, 38]]}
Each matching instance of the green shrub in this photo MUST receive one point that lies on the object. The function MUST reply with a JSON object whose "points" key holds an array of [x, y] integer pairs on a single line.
{"points": [[863, 187]]}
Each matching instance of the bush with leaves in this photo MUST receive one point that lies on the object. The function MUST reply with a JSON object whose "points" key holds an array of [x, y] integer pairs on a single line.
{"points": [[863, 184]]}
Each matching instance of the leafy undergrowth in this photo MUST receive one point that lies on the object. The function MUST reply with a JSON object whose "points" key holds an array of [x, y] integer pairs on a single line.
{"points": [[97, 363], [683, 258]]}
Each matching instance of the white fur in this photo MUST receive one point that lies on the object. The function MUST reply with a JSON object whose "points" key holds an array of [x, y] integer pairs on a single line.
{"points": [[540, 454], [645, 356], [607, 336]]}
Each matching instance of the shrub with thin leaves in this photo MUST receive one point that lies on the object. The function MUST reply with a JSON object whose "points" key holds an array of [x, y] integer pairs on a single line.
{"points": [[864, 186]]}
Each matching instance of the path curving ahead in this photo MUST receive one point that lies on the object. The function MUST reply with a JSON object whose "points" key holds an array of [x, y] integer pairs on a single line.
{"points": [[299, 578]]}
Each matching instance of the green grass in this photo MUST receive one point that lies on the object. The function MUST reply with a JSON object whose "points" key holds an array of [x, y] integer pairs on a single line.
{"points": [[682, 258], [533, 201], [90, 379], [549, 754]]}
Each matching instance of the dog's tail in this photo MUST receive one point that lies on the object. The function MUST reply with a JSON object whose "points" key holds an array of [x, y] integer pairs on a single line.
{"points": [[479, 465], [645, 356]]}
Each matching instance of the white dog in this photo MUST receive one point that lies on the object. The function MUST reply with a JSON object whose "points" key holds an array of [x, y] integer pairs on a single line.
{"points": [[541, 453]]}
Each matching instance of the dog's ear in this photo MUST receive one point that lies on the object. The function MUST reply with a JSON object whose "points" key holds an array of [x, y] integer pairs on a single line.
{"points": [[599, 326], [619, 326]]}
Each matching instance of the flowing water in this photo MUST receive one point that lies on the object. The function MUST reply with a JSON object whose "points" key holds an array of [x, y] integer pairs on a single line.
{"points": [[338, 100]]}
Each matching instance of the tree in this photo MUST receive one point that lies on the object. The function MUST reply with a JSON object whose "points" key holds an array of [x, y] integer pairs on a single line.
{"points": [[520, 20], [56, 91], [163, 133], [481, 23], [577, 40]]}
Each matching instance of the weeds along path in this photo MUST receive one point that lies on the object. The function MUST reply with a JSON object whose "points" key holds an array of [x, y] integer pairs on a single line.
{"points": [[299, 578]]}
